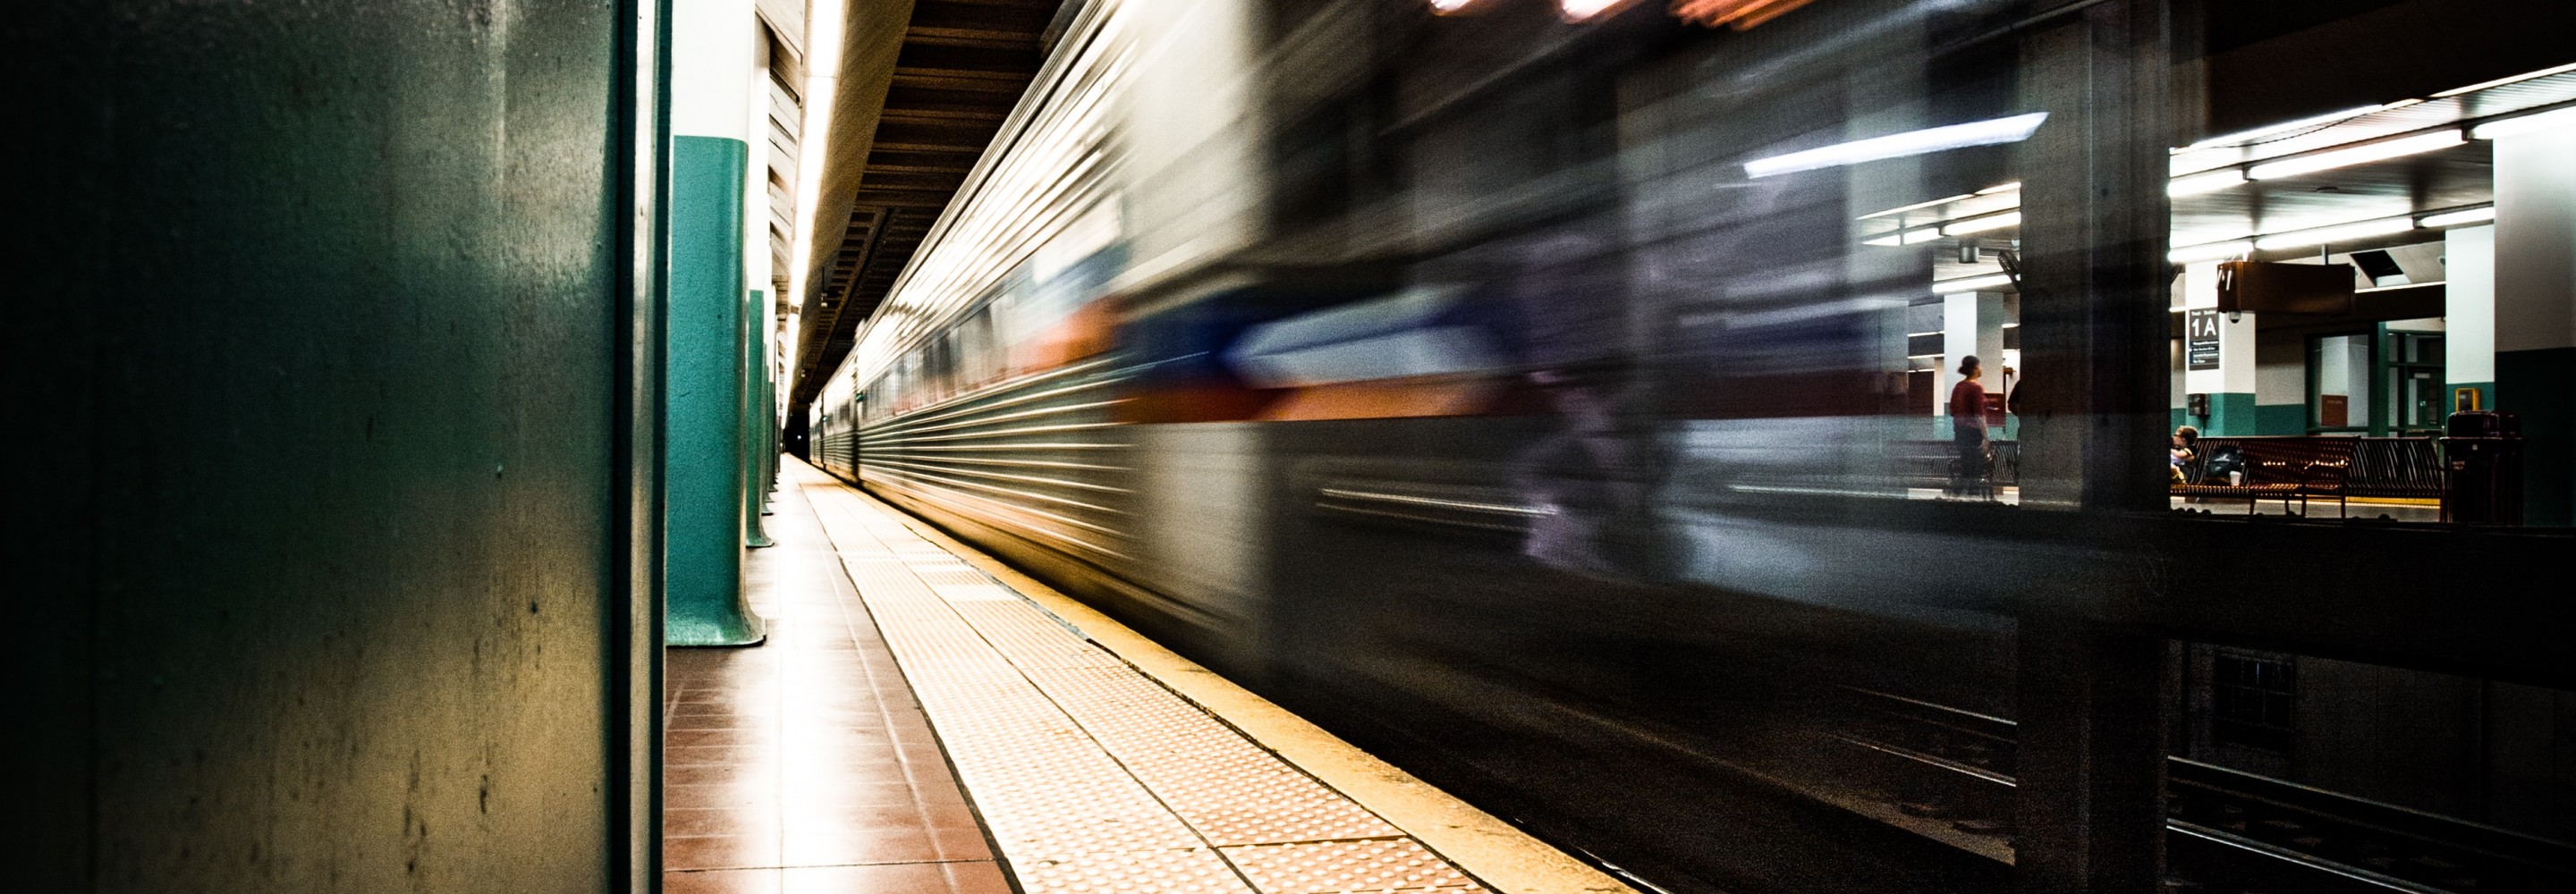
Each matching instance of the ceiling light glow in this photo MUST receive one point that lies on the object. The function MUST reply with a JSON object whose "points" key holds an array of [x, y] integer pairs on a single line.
{"points": [[2338, 233], [2212, 251], [2346, 157], [2456, 218], [1971, 284], [1982, 224], [1914, 142], [2507, 127]]}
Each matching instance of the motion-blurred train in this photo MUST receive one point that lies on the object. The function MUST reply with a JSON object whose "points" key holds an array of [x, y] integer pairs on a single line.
{"points": [[1548, 396]]}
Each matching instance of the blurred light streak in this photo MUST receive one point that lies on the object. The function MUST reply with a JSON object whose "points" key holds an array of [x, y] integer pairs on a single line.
{"points": [[1740, 14], [2197, 184], [1579, 10], [1915, 142]]}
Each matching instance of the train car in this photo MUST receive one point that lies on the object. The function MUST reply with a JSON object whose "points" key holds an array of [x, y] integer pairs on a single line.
{"points": [[1549, 397]]}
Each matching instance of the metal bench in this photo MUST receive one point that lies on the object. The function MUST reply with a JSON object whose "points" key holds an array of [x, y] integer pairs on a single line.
{"points": [[2286, 469]]}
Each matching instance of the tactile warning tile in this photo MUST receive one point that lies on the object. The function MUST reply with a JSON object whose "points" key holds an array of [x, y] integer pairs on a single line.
{"points": [[1145, 872], [1091, 776], [1347, 867]]}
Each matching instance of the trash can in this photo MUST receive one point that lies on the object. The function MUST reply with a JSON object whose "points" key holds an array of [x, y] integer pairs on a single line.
{"points": [[2482, 475]]}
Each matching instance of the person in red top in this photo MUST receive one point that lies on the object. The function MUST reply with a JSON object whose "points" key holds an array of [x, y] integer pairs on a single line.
{"points": [[1968, 426]]}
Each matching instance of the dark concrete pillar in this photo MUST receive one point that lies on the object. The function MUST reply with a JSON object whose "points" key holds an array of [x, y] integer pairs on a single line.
{"points": [[328, 383], [2090, 773], [2095, 281]]}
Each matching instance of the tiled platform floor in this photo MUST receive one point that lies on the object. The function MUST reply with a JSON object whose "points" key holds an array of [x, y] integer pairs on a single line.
{"points": [[1093, 776], [804, 764]]}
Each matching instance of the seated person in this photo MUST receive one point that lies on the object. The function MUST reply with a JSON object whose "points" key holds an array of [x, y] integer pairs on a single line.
{"points": [[2184, 453]]}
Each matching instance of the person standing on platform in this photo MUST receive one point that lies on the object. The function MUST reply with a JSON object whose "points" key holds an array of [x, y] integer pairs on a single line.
{"points": [[1968, 427]]}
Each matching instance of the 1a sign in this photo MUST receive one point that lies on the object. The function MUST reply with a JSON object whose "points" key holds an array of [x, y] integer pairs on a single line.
{"points": [[2200, 339]]}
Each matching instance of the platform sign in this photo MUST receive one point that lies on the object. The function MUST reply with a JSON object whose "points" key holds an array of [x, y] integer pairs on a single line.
{"points": [[2200, 338]]}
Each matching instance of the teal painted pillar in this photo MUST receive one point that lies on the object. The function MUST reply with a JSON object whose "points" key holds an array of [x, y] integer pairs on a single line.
{"points": [[754, 375], [702, 428], [769, 434]]}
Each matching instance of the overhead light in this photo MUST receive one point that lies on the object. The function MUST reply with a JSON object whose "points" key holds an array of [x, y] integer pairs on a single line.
{"points": [[813, 137], [1449, 5], [1982, 224], [2366, 152], [1971, 284], [2000, 187], [2455, 218], [1919, 205], [2243, 136], [2524, 124], [2499, 82], [1578, 10], [1913, 142], [2339, 233], [2209, 251], [2197, 184]]}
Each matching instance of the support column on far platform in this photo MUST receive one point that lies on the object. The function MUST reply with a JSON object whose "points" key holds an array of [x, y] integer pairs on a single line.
{"points": [[711, 59], [2225, 374], [1972, 323], [2535, 311]]}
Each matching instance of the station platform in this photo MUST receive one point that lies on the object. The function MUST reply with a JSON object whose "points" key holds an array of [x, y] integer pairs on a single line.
{"points": [[923, 718]]}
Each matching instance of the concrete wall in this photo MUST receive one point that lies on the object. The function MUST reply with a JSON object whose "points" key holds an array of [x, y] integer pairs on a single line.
{"points": [[321, 563]]}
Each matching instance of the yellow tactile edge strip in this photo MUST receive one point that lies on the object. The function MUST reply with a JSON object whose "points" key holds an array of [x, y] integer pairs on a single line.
{"points": [[1478, 842]]}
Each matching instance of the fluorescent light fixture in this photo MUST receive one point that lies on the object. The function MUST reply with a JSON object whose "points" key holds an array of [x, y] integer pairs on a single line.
{"points": [[2285, 126], [1449, 5], [2455, 218], [2507, 127], [2338, 233], [1920, 205], [813, 137], [1913, 142], [2366, 152], [1578, 10], [2499, 82], [2000, 187], [1982, 224], [2210, 251], [2197, 184], [1908, 237], [1971, 284]]}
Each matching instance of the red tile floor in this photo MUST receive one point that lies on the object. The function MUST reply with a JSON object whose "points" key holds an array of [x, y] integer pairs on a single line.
{"points": [[803, 764]]}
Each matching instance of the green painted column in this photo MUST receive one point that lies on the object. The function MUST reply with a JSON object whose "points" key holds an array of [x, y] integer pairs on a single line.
{"points": [[755, 375], [702, 424]]}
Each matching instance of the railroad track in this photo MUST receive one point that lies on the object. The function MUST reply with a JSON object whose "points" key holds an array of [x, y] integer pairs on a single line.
{"points": [[2228, 830]]}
